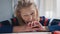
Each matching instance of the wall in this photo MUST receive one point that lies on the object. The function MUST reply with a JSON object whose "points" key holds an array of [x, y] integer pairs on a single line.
{"points": [[5, 10], [48, 8], [58, 9], [42, 10]]}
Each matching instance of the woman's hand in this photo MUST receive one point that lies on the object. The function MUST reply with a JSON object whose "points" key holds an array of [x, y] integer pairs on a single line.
{"points": [[24, 28], [36, 26], [30, 27]]}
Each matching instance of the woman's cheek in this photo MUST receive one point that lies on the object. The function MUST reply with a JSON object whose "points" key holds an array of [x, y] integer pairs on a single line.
{"points": [[25, 19]]}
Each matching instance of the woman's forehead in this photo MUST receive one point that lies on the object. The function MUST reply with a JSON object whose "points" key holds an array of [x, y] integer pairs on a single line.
{"points": [[28, 10]]}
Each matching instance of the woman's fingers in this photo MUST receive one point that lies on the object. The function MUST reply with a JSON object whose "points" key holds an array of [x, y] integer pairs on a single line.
{"points": [[35, 26], [31, 24], [38, 26]]}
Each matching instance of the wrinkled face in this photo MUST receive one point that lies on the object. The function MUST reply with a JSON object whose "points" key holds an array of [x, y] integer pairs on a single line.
{"points": [[29, 14]]}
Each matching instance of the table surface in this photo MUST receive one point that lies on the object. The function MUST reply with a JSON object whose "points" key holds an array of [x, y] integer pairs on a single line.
{"points": [[30, 33]]}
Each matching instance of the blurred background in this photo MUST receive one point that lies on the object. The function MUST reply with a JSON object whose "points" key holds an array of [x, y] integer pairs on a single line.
{"points": [[47, 8]]}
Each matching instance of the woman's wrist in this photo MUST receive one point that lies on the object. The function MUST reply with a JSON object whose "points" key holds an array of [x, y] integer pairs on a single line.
{"points": [[18, 29], [46, 28]]}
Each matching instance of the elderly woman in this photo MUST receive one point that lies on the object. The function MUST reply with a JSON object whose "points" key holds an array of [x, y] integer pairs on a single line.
{"points": [[27, 15], [28, 21]]}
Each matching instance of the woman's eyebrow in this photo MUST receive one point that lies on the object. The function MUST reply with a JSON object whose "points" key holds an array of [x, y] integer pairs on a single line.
{"points": [[28, 13], [24, 14]]}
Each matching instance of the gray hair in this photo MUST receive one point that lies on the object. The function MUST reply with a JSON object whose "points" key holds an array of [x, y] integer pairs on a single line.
{"points": [[22, 4]]}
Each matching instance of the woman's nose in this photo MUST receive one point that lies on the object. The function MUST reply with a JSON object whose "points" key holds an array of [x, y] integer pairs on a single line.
{"points": [[32, 18]]}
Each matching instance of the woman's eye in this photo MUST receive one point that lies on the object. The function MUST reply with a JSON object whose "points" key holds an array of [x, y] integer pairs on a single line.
{"points": [[25, 15], [32, 13]]}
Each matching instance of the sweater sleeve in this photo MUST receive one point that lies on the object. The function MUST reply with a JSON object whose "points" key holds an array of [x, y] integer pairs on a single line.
{"points": [[6, 29], [54, 28]]}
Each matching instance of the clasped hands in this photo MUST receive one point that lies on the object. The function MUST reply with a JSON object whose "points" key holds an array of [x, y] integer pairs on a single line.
{"points": [[33, 27]]}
